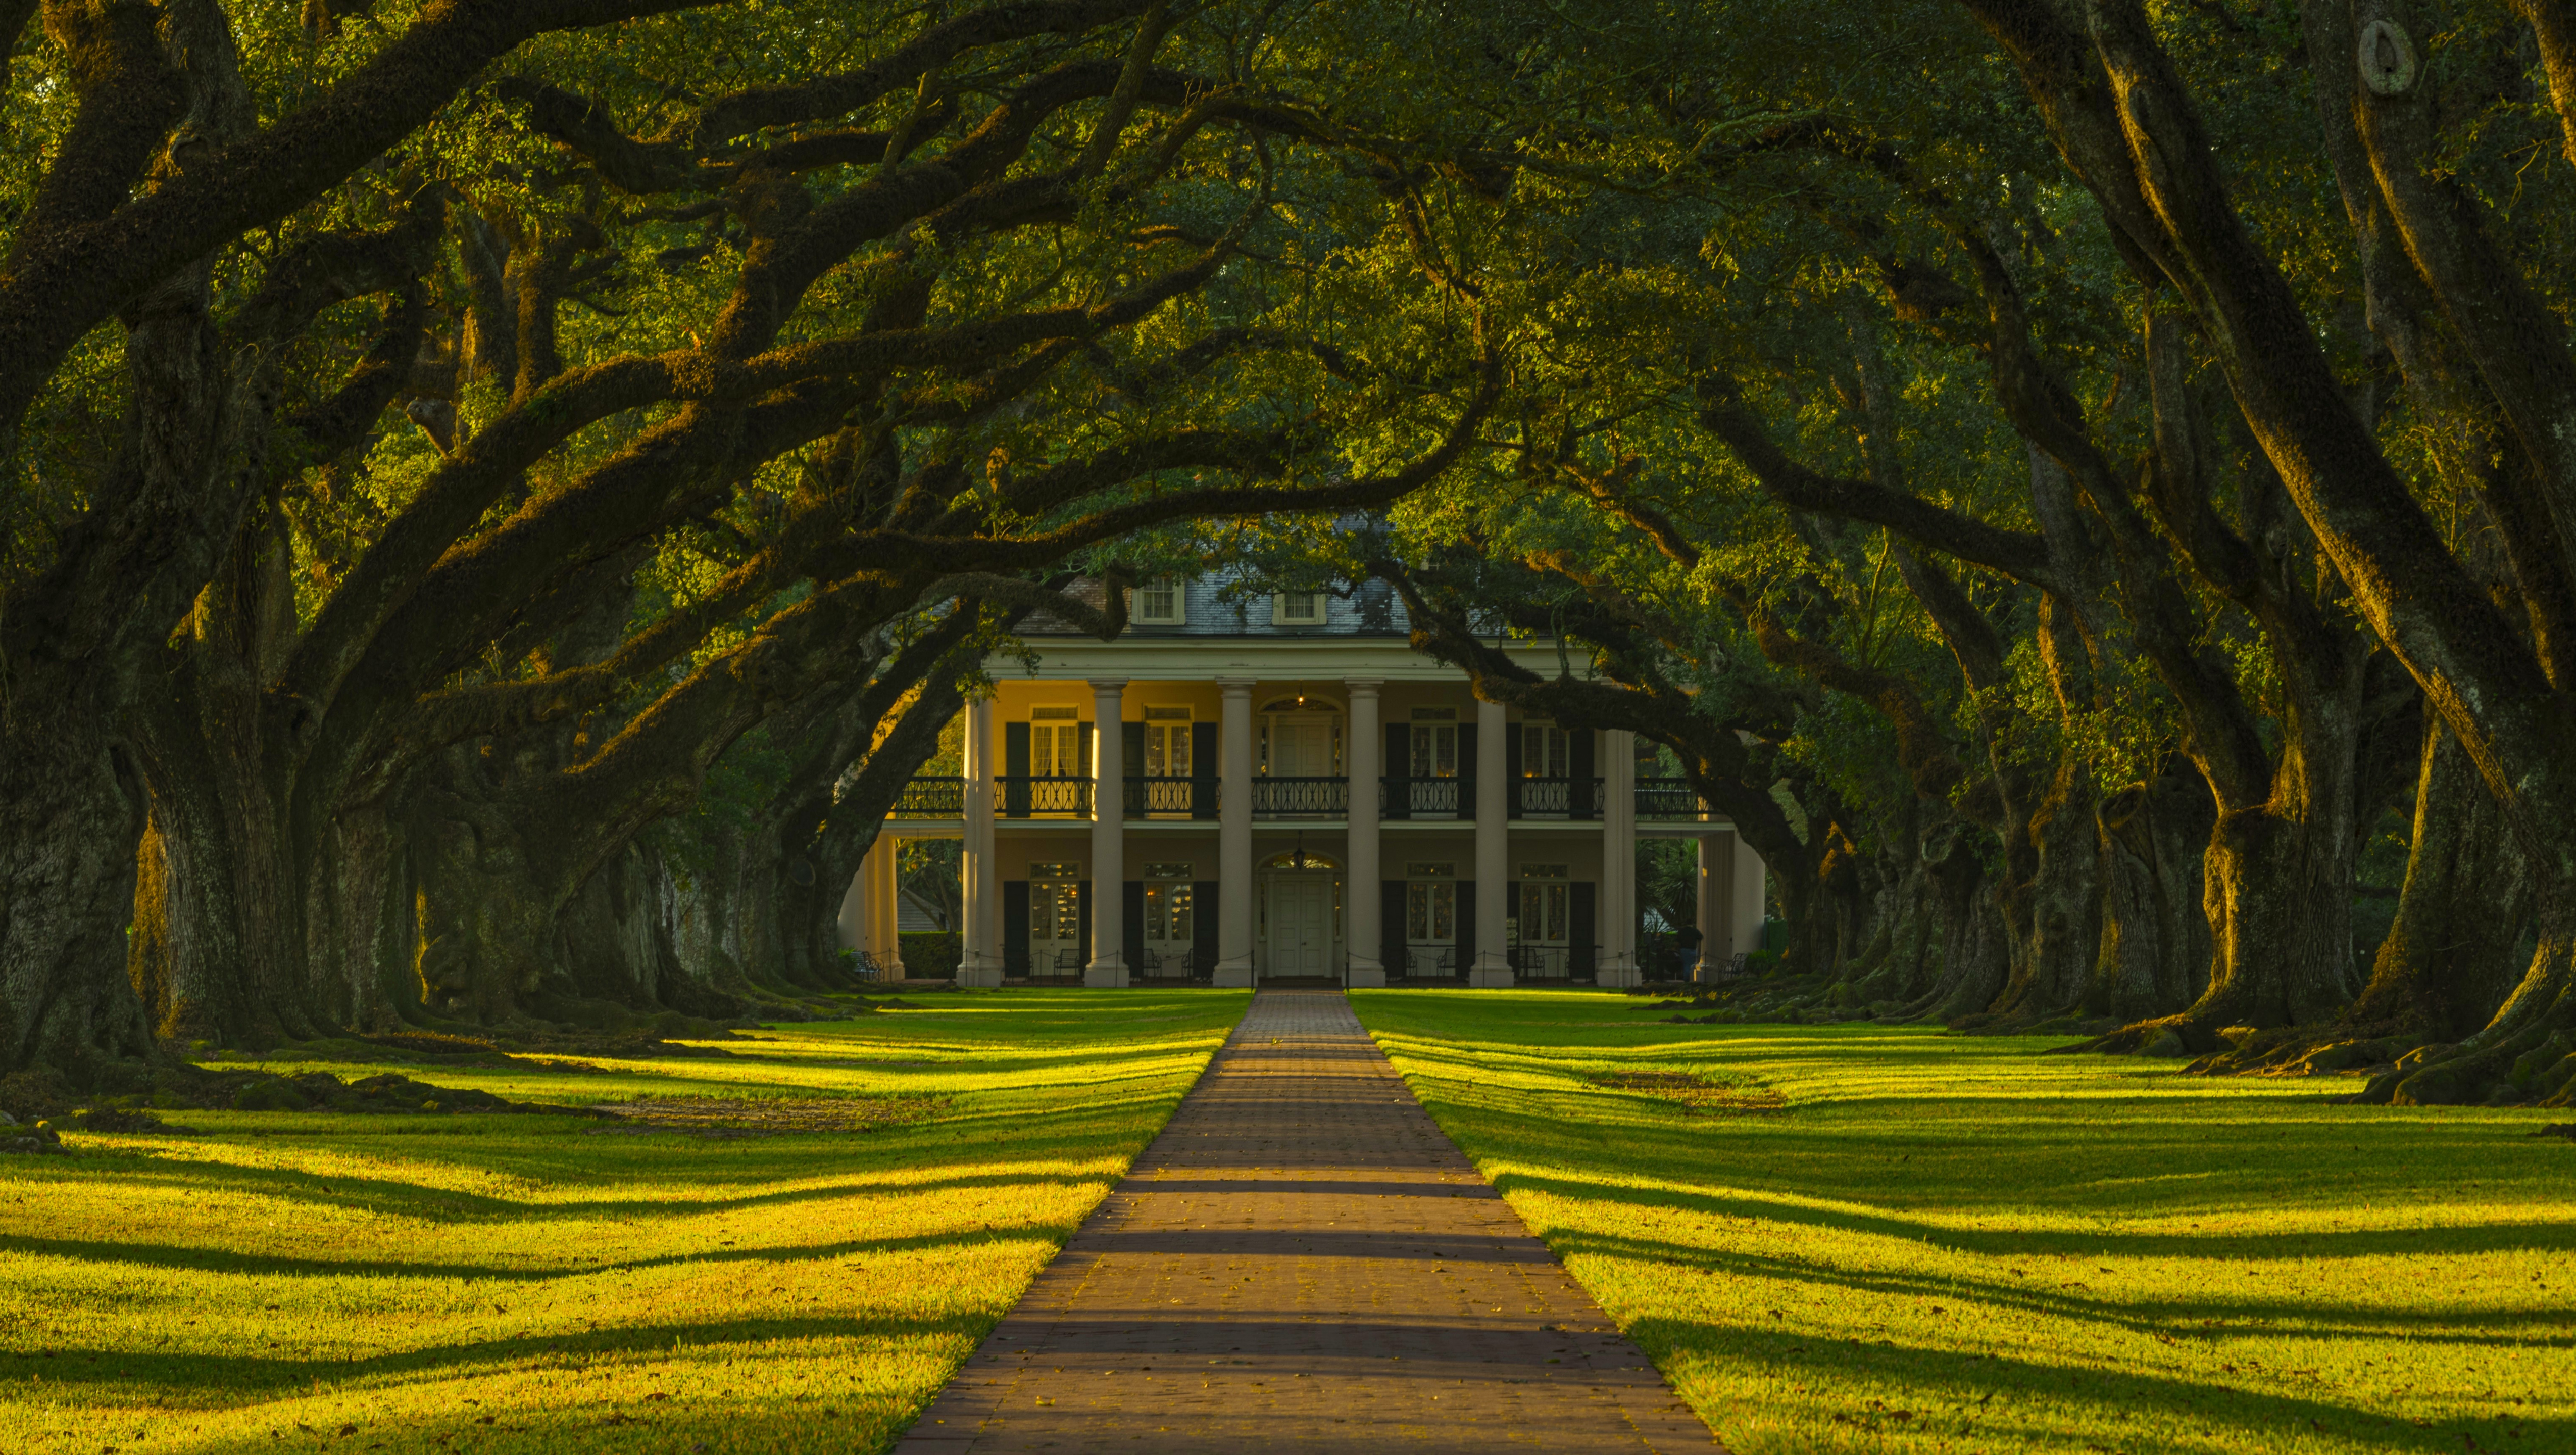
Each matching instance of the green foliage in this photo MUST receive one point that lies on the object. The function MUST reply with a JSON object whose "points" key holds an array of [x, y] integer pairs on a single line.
{"points": [[715, 1268], [1934, 1242]]}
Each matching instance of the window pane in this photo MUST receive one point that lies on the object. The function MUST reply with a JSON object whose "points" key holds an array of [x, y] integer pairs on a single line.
{"points": [[1180, 923], [1556, 912], [1444, 912], [1445, 744], [1180, 754]]}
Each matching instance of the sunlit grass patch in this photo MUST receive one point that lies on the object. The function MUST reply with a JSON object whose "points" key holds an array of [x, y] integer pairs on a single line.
{"points": [[787, 1248], [1952, 1243]]}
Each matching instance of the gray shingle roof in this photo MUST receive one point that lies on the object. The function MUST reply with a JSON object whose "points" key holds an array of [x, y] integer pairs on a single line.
{"points": [[1372, 609]]}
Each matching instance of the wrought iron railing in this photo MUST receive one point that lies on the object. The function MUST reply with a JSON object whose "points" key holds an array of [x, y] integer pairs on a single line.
{"points": [[1542, 962], [1429, 961], [1558, 797], [1171, 795], [1668, 798], [931, 798], [1031, 797], [1427, 797], [1283, 797]]}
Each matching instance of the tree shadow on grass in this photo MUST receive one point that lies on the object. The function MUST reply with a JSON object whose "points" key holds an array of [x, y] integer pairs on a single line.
{"points": [[1955, 1391], [153, 1255], [2544, 1235], [86, 1373], [2213, 1317]]}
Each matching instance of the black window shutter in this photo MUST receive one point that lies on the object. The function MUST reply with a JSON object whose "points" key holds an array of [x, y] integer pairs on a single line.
{"points": [[1466, 772], [1466, 924], [1578, 757], [1512, 771], [1015, 766], [1390, 926], [1203, 767], [1131, 936], [1399, 770], [1015, 927], [1579, 927], [1202, 926], [1082, 922]]}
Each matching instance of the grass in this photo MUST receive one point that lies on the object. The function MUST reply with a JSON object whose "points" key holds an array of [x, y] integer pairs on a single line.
{"points": [[1858, 1238], [548, 1282]]}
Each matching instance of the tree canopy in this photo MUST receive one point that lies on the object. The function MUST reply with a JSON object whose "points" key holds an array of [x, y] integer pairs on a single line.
{"points": [[2084, 488]]}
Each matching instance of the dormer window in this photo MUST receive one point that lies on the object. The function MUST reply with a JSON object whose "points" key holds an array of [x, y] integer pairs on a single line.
{"points": [[1297, 608], [1160, 602]]}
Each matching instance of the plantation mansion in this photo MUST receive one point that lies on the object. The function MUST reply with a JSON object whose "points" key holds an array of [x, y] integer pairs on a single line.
{"points": [[1279, 787]]}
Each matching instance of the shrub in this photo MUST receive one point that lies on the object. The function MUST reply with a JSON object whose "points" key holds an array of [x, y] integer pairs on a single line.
{"points": [[932, 954]]}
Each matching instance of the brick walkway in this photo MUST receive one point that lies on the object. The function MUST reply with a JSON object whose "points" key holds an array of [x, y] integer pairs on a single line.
{"points": [[1303, 1262]]}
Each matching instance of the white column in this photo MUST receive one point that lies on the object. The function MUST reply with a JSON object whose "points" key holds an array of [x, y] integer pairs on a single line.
{"points": [[852, 921], [1494, 884], [981, 960], [1360, 891], [1108, 967], [1234, 836], [1716, 903], [885, 940], [1618, 900], [877, 905], [1747, 899]]}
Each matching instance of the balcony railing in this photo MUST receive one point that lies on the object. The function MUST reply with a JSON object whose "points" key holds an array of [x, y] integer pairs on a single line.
{"points": [[931, 798], [1427, 797], [1301, 797], [1032, 797], [1668, 798], [1171, 796], [1558, 797]]}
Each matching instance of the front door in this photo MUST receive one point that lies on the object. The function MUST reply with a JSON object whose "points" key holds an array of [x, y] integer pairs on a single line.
{"points": [[1301, 748], [1301, 926]]}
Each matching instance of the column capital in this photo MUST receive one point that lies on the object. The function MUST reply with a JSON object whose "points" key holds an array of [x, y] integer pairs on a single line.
{"points": [[1368, 685], [1238, 684], [1107, 684]]}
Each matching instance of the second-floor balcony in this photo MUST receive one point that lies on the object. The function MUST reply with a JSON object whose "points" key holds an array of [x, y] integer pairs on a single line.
{"points": [[1557, 797], [1029, 796], [1274, 797], [1669, 798], [930, 796]]}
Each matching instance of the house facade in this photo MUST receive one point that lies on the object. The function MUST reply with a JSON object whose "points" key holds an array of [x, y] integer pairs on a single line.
{"points": [[1254, 787]]}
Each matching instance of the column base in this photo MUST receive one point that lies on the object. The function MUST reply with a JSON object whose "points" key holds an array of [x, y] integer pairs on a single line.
{"points": [[1365, 977], [1232, 975], [980, 977], [1105, 975], [1490, 972], [1618, 977]]}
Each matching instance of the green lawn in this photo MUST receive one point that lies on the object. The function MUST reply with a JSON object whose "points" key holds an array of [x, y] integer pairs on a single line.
{"points": [[1950, 1243], [506, 1282]]}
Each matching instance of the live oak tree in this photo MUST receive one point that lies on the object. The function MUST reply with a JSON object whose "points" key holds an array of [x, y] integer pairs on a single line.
{"points": [[439, 436], [2290, 362]]}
